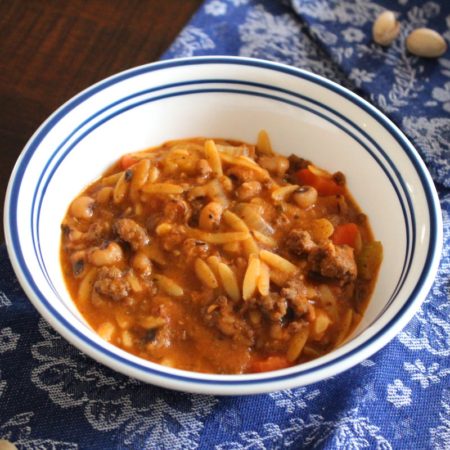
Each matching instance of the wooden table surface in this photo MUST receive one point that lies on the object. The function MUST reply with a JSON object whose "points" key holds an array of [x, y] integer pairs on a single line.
{"points": [[52, 49]]}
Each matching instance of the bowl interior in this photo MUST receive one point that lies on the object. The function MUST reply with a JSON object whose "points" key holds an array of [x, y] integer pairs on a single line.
{"points": [[302, 114]]}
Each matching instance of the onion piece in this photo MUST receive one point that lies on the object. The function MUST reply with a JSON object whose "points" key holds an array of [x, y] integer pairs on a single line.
{"points": [[213, 190], [251, 214], [232, 150]]}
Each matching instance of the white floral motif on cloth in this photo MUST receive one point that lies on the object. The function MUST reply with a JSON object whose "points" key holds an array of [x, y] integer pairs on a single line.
{"points": [[399, 394], [190, 40], [430, 329], [291, 399], [442, 94], [279, 38], [426, 376], [18, 430], [440, 435], [74, 382], [4, 300], [8, 340], [216, 8], [349, 432]]}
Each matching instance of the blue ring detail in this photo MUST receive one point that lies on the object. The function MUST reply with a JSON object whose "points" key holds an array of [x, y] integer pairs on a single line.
{"points": [[433, 213]]}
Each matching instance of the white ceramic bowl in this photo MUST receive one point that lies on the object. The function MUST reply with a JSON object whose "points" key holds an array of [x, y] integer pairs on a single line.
{"points": [[230, 98]]}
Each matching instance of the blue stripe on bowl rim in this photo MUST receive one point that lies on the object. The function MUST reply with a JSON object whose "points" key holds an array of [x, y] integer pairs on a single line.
{"points": [[434, 214], [61, 156]]}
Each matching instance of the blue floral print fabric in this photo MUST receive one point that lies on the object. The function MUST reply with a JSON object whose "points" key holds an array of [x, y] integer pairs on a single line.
{"points": [[54, 397]]}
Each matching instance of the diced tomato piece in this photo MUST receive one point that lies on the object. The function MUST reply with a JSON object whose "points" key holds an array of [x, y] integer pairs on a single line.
{"points": [[269, 363], [127, 161], [347, 233], [323, 185], [305, 176]]}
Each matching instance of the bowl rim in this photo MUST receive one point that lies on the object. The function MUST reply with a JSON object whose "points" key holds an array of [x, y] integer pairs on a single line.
{"points": [[211, 383]]}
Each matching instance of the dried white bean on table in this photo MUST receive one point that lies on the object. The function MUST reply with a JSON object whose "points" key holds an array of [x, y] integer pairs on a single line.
{"points": [[385, 28], [426, 43]]}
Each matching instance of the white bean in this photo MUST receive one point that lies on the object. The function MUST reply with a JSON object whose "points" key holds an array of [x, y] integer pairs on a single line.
{"points": [[107, 256], [82, 207], [210, 216], [274, 164], [142, 263], [248, 190], [426, 43], [386, 28], [305, 196]]}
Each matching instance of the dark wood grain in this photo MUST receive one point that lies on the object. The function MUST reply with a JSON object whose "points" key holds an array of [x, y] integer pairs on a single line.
{"points": [[52, 49]]}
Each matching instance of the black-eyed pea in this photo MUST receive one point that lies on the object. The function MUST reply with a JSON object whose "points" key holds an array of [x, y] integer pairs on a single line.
{"points": [[210, 216], [274, 164], [305, 196], [107, 256], [78, 260], [75, 235], [82, 207], [249, 190], [142, 264]]}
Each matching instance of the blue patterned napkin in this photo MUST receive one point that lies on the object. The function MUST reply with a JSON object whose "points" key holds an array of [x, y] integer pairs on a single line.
{"points": [[54, 397]]}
